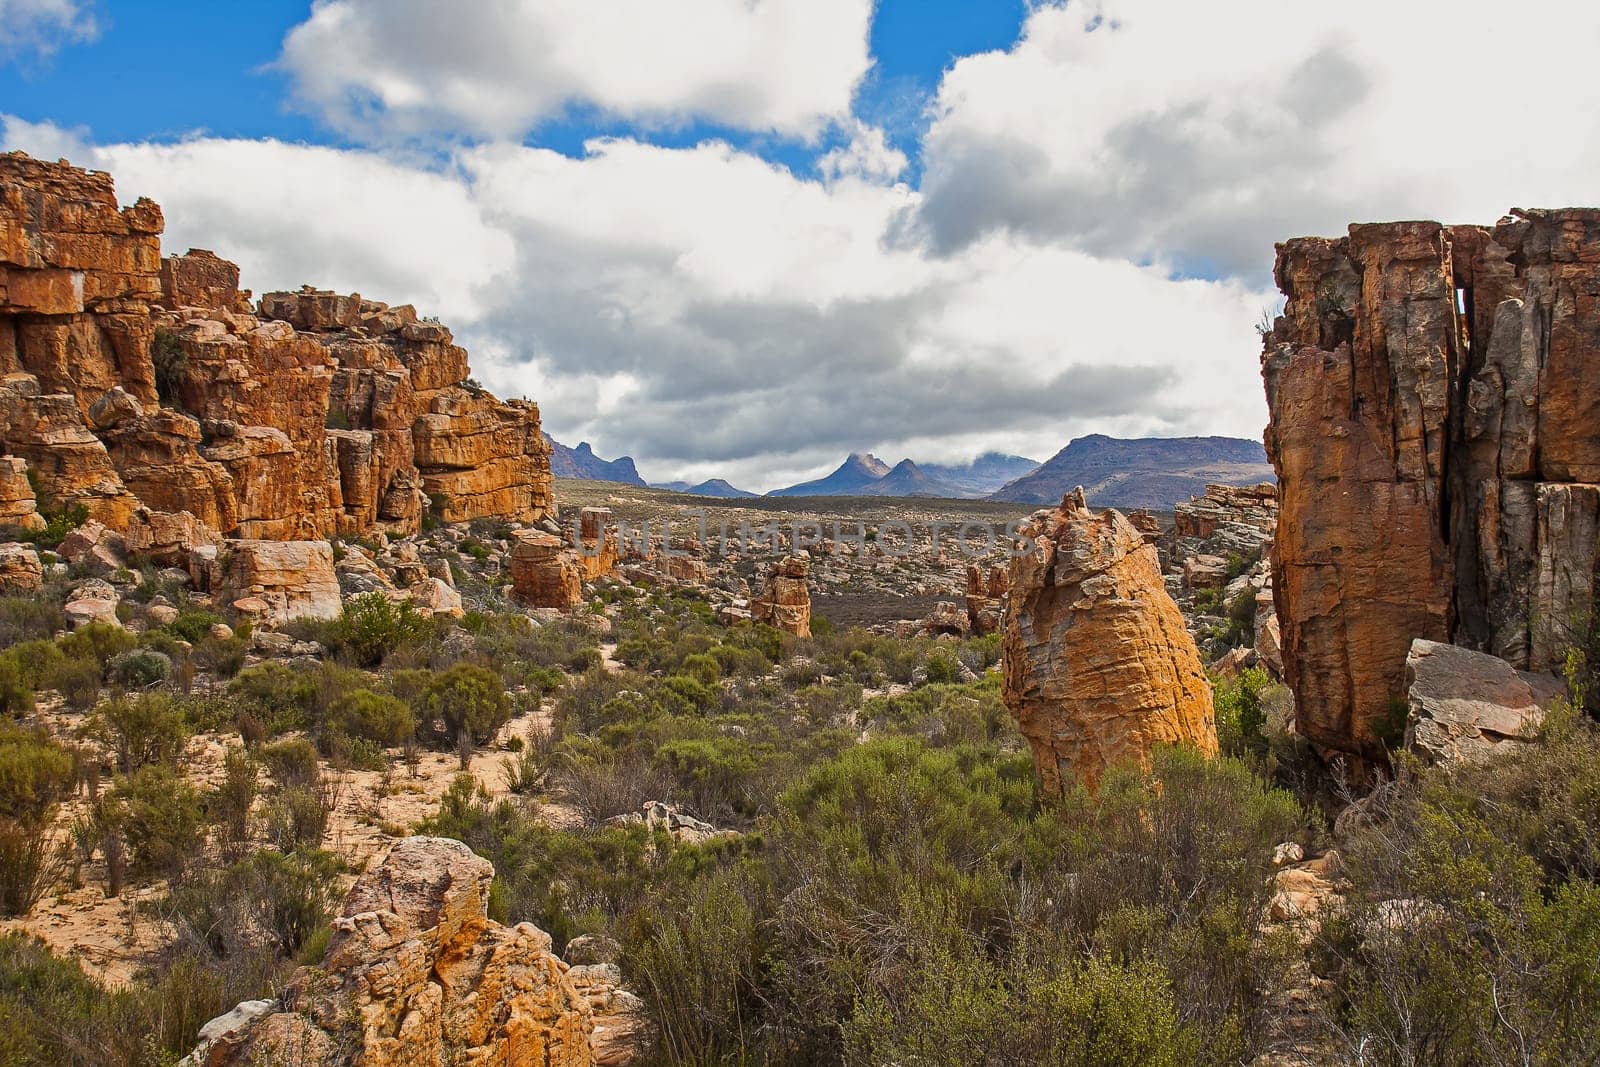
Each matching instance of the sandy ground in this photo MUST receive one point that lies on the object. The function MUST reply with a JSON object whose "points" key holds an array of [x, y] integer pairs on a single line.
{"points": [[114, 936]]}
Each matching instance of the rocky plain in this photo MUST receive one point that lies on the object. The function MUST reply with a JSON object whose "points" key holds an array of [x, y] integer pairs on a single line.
{"points": [[336, 730]]}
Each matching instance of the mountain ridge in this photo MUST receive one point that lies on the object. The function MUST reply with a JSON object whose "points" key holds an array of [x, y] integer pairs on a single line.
{"points": [[1153, 472]]}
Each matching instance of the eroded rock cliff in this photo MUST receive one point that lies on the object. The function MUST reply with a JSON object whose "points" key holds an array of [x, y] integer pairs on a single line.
{"points": [[1099, 668], [1436, 434], [129, 383], [416, 973]]}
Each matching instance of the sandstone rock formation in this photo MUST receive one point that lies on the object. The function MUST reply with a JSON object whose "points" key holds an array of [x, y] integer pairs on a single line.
{"points": [[1098, 666], [285, 580], [1435, 436], [20, 570], [545, 573], [417, 974], [986, 591], [129, 381], [1465, 705], [786, 603]]}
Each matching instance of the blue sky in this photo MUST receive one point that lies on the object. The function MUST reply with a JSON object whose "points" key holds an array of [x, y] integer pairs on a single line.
{"points": [[741, 238], [165, 70]]}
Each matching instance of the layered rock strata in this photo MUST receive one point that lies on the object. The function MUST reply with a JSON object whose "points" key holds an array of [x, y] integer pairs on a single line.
{"points": [[129, 381], [1098, 667], [785, 604], [416, 973], [1435, 427]]}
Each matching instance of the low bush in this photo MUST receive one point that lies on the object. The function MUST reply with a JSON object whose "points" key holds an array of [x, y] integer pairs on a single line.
{"points": [[372, 627], [140, 730], [161, 817], [466, 699], [35, 773], [140, 668], [367, 716]]}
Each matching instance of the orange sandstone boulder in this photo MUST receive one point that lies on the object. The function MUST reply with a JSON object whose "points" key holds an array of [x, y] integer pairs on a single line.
{"points": [[786, 603], [1099, 668], [417, 973], [545, 573]]}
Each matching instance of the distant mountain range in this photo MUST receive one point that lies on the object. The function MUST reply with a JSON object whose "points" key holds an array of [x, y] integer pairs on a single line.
{"points": [[712, 487], [1150, 472], [863, 474], [581, 462]]}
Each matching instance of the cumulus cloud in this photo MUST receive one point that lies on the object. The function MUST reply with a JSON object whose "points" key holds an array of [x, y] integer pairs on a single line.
{"points": [[37, 28], [713, 313], [1198, 134], [499, 68], [868, 154]]}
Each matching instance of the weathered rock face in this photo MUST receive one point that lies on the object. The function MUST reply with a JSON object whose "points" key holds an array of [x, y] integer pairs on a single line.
{"points": [[1466, 705], [786, 603], [417, 974], [1223, 506], [1436, 433], [20, 569], [129, 380], [545, 573], [19, 509], [286, 579], [1098, 666], [986, 591]]}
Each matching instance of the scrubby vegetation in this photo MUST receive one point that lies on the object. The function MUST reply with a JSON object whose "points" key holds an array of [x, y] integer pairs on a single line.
{"points": [[885, 884]]}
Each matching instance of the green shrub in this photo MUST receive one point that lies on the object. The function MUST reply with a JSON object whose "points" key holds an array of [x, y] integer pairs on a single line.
{"points": [[53, 1015], [140, 730], [1241, 712], [943, 668], [77, 680], [161, 817], [698, 963], [16, 695], [270, 901], [140, 668], [1472, 927], [464, 699], [37, 660], [372, 626], [29, 618], [276, 695], [377, 717], [35, 773], [230, 802], [222, 656], [100, 641], [192, 624], [297, 818], [292, 763]]}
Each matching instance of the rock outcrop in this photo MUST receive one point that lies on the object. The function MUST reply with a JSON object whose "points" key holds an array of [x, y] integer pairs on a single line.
{"points": [[128, 381], [786, 602], [1465, 705], [275, 581], [417, 974], [986, 591], [1099, 668], [545, 572], [1435, 434]]}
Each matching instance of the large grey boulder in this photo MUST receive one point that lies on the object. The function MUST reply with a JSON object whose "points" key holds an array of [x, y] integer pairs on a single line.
{"points": [[1466, 705]]}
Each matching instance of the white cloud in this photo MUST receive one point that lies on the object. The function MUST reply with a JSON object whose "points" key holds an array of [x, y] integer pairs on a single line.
{"points": [[41, 27], [499, 68], [714, 314], [1198, 134], [868, 155]]}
